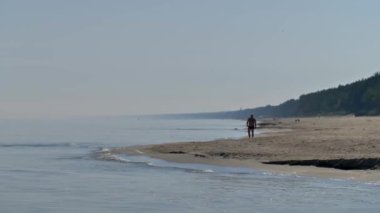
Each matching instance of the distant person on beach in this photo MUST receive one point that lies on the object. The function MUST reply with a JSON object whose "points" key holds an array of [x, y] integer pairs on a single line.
{"points": [[251, 125]]}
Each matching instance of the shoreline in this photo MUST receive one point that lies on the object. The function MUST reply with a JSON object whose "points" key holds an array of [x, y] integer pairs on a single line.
{"points": [[336, 140]]}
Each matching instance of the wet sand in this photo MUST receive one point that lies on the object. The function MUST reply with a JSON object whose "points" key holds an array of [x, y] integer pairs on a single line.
{"points": [[350, 146]]}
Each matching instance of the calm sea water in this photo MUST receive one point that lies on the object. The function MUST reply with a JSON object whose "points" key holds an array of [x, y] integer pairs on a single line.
{"points": [[53, 166]]}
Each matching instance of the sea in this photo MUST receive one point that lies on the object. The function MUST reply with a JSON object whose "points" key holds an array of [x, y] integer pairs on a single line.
{"points": [[60, 166]]}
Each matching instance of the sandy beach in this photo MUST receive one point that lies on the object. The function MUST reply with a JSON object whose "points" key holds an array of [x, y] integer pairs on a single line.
{"points": [[330, 147]]}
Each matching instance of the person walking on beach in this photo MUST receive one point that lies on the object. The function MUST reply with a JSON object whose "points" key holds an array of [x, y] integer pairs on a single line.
{"points": [[251, 125]]}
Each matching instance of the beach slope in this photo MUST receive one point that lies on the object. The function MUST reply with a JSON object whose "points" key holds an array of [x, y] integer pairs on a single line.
{"points": [[338, 147]]}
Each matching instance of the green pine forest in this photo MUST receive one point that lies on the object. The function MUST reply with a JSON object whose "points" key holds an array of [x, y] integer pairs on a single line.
{"points": [[359, 98]]}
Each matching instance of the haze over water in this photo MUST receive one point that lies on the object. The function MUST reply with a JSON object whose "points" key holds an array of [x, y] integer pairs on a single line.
{"points": [[80, 58]]}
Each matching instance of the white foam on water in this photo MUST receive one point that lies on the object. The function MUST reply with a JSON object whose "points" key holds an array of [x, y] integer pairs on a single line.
{"points": [[140, 152]]}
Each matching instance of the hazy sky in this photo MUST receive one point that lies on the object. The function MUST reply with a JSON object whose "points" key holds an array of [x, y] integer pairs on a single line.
{"points": [[111, 57]]}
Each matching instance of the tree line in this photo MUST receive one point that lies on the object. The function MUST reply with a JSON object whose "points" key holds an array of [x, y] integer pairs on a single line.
{"points": [[359, 98]]}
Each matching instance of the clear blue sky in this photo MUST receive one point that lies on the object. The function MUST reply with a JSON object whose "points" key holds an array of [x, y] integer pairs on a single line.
{"points": [[117, 57]]}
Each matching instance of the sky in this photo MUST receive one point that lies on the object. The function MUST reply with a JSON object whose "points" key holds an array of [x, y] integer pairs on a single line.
{"points": [[63, 58]]}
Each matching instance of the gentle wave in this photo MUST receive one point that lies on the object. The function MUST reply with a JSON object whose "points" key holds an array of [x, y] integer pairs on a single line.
{"points": [[106, 155], [206, 129], [42, 145]]}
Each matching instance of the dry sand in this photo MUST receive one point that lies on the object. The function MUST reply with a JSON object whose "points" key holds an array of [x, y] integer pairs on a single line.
{"points": [[324, 141]]}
